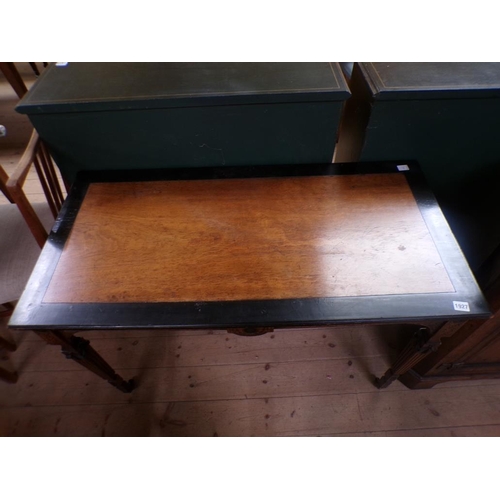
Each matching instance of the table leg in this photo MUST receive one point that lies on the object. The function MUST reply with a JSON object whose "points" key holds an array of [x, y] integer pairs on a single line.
{"points": [[421, 344], [426, 339], [79, 350]]}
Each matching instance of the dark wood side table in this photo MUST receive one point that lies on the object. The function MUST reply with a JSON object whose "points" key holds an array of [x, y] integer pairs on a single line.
{"points": [[248, 249]]}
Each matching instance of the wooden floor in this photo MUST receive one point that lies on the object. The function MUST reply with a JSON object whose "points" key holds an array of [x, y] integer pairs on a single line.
{"points": [[313, 382]]}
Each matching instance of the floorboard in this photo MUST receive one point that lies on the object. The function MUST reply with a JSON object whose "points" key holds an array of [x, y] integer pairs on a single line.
{"points": [[401, 413]]}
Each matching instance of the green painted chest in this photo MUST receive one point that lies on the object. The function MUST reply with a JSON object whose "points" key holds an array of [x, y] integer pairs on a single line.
{"points": [[97, 116]]}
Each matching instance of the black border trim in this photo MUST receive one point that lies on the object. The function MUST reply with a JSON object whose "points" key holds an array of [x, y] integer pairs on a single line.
{"points": [[31, 312]]}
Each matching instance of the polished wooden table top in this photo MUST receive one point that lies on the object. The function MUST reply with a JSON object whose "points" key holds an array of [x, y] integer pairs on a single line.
{"points": [[273, 246]]}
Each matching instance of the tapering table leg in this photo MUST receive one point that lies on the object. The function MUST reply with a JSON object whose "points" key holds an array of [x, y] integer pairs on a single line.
{"points": [[421, 344], [426, 339], [79, 350]]}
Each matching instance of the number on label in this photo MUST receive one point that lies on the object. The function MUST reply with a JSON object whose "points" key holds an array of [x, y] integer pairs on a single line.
{"points": [[461, 306]]}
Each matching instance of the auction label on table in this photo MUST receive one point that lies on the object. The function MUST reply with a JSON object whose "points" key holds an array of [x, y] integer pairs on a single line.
{"points": [[461, 306]]}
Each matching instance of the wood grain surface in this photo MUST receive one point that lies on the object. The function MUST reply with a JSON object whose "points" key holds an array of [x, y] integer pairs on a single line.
{"points": [[244, 239]]}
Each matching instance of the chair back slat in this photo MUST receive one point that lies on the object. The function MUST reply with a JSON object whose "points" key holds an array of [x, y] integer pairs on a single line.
{"points": [[53, 175], [47, 189]]}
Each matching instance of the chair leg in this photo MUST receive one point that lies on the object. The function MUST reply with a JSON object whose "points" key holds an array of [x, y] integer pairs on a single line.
{"points": [[3, 184]]}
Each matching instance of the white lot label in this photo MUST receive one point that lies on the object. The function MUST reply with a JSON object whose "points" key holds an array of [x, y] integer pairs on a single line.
{"points": [[461, 306], [403, 167]]}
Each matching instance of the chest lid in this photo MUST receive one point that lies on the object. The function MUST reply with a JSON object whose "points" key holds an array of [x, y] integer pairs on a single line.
{"points": [[398, 81], [79, 87]]}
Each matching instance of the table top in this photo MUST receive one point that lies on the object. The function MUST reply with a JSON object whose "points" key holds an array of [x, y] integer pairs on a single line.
{"points": [[257, 246]]}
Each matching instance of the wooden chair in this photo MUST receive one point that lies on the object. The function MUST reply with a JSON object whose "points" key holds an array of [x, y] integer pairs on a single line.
{"points": [[24, 227], [11, 74], [35, 69], [37, 155], [16, 81]]}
